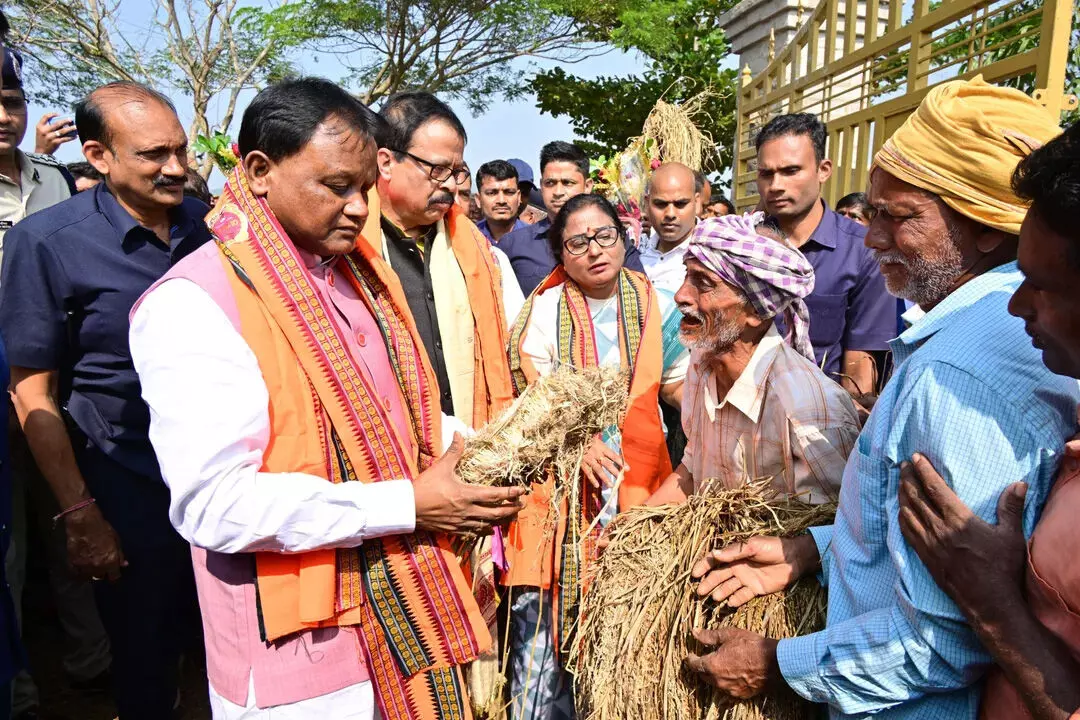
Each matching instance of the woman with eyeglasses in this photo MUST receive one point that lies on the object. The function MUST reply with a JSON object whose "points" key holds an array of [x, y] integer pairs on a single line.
{"points": [[591, 311]]}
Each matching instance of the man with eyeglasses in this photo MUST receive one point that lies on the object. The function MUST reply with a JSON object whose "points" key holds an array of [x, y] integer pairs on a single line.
{"points": [[462, 292]]}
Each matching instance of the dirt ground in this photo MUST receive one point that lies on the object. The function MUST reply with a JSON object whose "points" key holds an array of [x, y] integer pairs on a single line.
{"points": [[44, 640]]}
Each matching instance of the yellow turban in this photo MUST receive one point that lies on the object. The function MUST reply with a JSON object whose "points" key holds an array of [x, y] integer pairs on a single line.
{"points": [[963, 143]]}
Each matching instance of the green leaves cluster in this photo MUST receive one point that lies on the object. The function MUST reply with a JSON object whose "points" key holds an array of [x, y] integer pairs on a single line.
{"points": [[220, 148], [684, 47]]}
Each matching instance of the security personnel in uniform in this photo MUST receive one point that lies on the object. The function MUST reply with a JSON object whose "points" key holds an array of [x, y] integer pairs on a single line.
{"points": [[28, 182]]}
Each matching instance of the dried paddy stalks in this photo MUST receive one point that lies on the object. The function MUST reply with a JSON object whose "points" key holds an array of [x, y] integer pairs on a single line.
{"points": [[547, 428], [634, 628]]}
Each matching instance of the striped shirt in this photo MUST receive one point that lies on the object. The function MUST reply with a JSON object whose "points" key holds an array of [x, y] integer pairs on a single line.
{"points": [[972, 395], [782, 418]]}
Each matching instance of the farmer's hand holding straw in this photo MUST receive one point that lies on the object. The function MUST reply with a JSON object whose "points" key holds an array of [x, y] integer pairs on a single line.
{"points": [[761, 566]]}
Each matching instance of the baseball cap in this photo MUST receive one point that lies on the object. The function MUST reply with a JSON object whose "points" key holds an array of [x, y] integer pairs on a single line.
{"points": [[11, 71], [525, 173]]}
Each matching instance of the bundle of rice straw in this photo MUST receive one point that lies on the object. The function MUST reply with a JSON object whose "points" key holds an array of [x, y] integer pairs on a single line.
{"points": [[678, 137], [636, 618], [549, 427]]}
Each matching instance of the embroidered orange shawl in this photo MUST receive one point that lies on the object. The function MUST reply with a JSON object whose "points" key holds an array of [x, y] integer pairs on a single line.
{"points": [[416, 616], [537, 557], [492, 390]]}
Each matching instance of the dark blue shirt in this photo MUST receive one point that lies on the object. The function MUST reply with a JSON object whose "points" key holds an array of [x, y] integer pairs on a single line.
{"points": [[482, 226], [530, 255], [849, 308], [70, 276], [11, 657]]}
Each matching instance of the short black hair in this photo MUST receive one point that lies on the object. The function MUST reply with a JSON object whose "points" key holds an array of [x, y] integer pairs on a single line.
{"points": [[579, 202], [84, 170], [858, 201], [404, 114], [722, 200], [498, 169], [195, 186], [90, 122], [806, 124], [5, 27], [699, 181], [283, 117], [1049, 178], [559, 151]]}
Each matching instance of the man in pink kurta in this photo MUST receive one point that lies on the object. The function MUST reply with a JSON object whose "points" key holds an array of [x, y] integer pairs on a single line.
{"points": [[1022, 600], [309, 157]]}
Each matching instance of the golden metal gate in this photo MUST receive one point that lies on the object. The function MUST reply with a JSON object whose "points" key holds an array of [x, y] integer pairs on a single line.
{"points": [[863, 84]]}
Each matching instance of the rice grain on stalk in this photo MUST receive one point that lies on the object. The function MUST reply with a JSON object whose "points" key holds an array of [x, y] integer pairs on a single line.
{"points": [[676, 132], [545, 432], [634, 626], [547, 428]]}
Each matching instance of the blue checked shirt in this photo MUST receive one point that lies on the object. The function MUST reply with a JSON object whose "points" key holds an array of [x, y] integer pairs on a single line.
{"points": [[972, 395]]}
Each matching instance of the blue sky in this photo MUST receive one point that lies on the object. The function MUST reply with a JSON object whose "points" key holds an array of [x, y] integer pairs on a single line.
{"points": [[507, 129]]}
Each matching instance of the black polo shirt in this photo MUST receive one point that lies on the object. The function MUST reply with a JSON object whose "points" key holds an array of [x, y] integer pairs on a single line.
{"points": [[70, 276], [413, 268]]}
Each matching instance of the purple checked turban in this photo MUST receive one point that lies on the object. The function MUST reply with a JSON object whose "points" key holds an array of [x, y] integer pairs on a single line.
{"points": [[774, 277]]}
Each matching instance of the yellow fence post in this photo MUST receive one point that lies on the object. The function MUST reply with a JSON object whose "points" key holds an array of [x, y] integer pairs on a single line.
{"points": [[864, 87]]}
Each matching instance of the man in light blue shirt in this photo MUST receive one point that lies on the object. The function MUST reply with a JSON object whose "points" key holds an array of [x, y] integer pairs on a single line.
{"points": [[969, 392]]}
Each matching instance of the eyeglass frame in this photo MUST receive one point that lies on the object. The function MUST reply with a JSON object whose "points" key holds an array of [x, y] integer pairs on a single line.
{"points": [[591, 239], [460, 175]]}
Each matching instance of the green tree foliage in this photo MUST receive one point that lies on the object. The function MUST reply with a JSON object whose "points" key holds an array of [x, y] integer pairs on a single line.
{"points": [[458, 48], [209, 50], [684, 48]]}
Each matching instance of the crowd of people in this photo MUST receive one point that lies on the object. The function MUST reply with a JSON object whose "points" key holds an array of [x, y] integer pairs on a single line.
{"points": [[236, 420]]}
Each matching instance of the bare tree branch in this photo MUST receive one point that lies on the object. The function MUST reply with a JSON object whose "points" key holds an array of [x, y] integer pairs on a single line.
{"points": [[204, 49]]}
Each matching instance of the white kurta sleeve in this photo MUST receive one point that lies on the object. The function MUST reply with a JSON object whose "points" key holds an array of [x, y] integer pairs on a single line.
{"points": [[537, 345], [210, 425]]}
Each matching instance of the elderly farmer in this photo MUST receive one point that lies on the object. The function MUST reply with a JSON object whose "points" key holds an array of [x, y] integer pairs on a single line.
{"points": [[747, 386], [945, 234], [1020, 598]]}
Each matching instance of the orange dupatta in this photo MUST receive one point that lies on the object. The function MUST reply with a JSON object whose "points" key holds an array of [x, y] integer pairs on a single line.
{"points": [[492, 389], [416, 617], [533, 551]]}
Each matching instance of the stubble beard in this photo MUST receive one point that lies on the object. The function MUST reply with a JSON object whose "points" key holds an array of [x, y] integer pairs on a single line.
{"points": [[714, 336], [929, 280]]}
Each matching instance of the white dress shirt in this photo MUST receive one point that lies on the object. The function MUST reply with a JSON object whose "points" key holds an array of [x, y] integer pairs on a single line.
{"points": [[665, 269], [210, 425]]}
